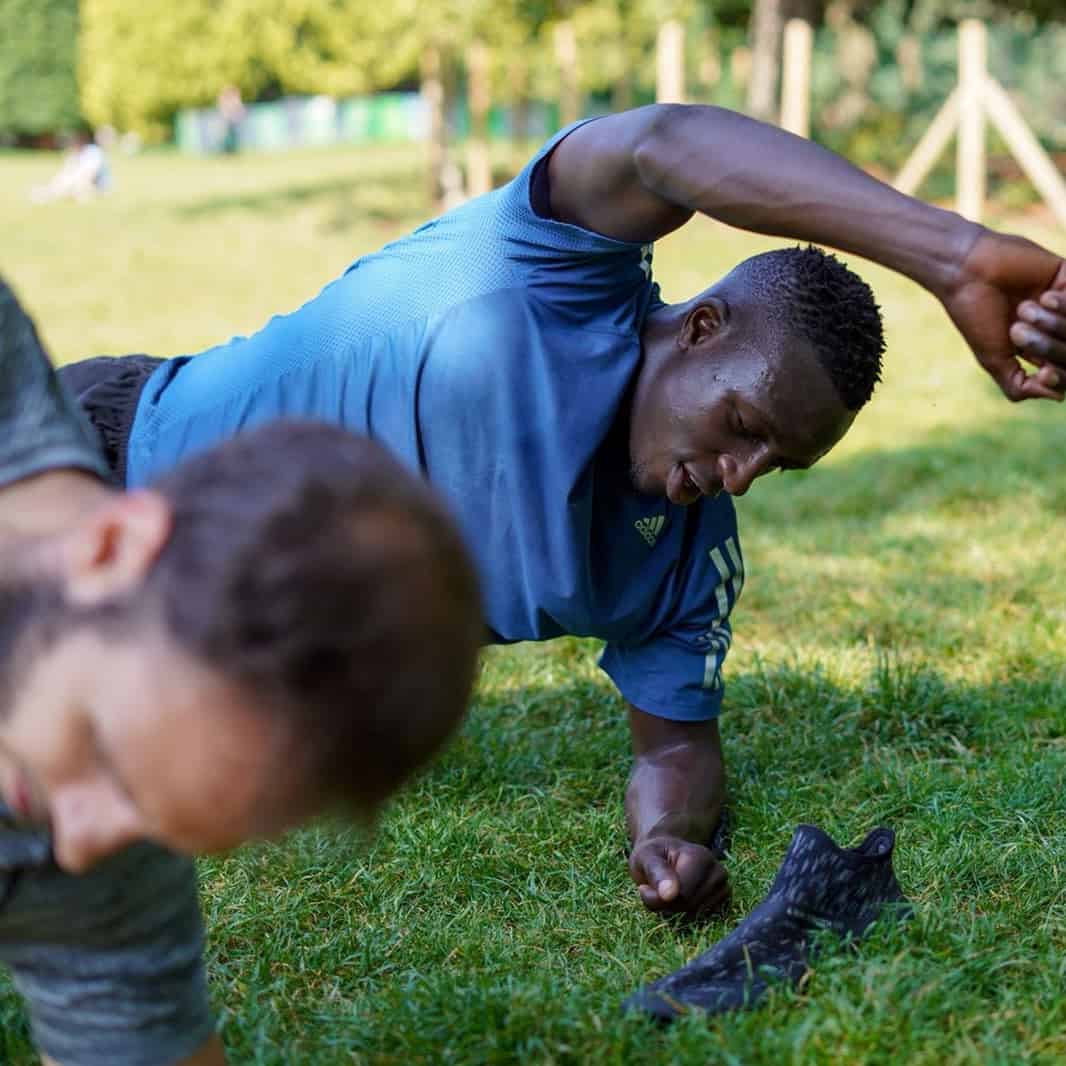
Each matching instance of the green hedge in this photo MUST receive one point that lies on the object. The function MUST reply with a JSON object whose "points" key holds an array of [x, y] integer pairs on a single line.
{"points": [[38, 84], [144, 60]]}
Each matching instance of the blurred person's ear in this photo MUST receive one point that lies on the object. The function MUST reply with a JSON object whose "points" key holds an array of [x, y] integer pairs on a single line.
{"points": [[112, 551]]}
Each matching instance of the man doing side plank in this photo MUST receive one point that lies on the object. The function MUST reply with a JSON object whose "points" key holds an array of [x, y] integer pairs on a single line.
{"points": [[590, 435]]}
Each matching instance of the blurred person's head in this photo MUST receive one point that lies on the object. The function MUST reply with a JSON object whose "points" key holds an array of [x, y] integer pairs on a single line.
{"points": [[286, 624], [763, 371]]}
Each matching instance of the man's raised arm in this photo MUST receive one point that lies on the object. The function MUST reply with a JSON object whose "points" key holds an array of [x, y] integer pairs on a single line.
{"points": [[641, 174]]}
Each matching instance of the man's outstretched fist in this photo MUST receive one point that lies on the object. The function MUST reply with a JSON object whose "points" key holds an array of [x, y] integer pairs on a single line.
{"points": [[1008, 301], [675, 876]]}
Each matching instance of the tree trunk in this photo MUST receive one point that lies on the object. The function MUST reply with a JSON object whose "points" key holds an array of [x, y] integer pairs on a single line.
{"points": [[479, 98], [437, 147], [622, 91], [569, 86], [767, 21], [519, 74]]}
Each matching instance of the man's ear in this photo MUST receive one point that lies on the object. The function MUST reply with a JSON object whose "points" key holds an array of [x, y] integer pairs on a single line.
{"points": [[702, 323], [111, 552]]}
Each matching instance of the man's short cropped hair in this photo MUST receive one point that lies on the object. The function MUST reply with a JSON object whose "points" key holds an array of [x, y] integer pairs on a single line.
{"points": [[812, 293], [309, 567]]}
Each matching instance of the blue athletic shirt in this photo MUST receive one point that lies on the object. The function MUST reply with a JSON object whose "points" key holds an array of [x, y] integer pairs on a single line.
{"points": [[492, 350]]}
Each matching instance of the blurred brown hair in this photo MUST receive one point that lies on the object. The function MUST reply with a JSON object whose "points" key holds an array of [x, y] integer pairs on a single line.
{"points": [[312, 569]]}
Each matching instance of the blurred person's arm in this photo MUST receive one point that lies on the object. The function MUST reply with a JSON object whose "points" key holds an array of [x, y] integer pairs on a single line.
{"points": [[211, 1054], [51, 469], [641, 174], [43, 428]]}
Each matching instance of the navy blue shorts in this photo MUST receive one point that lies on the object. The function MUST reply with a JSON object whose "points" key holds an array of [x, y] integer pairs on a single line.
{"points": [[108, 389]]}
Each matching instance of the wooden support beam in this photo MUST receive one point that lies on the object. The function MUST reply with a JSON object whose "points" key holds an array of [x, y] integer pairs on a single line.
{"points": [[1032, 158], [931, 147]]}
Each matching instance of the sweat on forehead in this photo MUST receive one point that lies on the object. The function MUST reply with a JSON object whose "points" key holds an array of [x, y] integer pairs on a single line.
{"points": [[811, 293]]}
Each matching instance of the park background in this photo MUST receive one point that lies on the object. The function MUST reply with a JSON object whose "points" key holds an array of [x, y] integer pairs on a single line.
{"points": [[898, 653]]}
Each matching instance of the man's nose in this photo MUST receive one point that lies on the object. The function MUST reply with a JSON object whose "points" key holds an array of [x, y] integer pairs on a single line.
{"points": [[91, 821]]}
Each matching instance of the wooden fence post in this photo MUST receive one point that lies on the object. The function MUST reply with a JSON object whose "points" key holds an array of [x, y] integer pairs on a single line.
{"points": [[796, 77], [670, 63], [973, 72]]}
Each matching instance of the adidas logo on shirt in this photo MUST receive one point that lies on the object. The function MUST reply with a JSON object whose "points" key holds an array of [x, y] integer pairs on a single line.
{"points": [[650, 528], [646, 252]]}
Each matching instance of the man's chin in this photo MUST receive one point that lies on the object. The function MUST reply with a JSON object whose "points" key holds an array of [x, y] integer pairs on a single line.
{"points": [[645, 482]]}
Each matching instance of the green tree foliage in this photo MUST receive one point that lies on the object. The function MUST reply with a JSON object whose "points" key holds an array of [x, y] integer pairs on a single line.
{"points": [[38, 86], [926, 13], [142, 60]]}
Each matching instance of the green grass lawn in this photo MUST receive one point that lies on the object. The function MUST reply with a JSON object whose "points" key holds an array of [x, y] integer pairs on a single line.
{"points": [[898, 660]]}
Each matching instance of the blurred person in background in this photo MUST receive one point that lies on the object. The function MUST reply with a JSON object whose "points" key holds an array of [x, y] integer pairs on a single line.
{"points": [[85, 173], [231, 108]]}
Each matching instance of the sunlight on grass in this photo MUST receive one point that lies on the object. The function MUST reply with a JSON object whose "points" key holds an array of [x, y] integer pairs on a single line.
{"points": [[898, 659]]}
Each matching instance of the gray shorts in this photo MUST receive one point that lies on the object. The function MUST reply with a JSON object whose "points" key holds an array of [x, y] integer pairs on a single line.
{"points": [[110, 962]]}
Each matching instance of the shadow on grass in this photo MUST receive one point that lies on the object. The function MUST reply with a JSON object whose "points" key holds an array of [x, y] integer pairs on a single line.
{"points": [[383, 197], [793, 721], [949, 471], [382, 188]]}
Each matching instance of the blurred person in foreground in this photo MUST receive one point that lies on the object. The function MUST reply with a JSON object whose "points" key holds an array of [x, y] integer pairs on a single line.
{"points": [[286, 624], [590, 435]]}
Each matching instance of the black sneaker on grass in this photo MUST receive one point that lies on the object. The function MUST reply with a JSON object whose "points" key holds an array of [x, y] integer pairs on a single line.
{"points": [[820, 886]]}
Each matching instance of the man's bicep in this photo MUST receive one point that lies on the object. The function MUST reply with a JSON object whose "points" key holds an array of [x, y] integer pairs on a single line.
{"points": [[596, 184]]}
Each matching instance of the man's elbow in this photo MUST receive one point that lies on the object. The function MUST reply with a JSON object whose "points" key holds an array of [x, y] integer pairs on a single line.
{"points": [[668, 133]]}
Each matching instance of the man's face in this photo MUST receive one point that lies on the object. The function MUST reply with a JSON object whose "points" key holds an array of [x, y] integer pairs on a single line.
{"points": [[714, 414], [111, 736]]}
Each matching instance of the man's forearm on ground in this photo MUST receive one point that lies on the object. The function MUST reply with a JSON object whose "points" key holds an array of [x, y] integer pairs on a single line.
{"points": [[758, 177], [677, 786]]}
